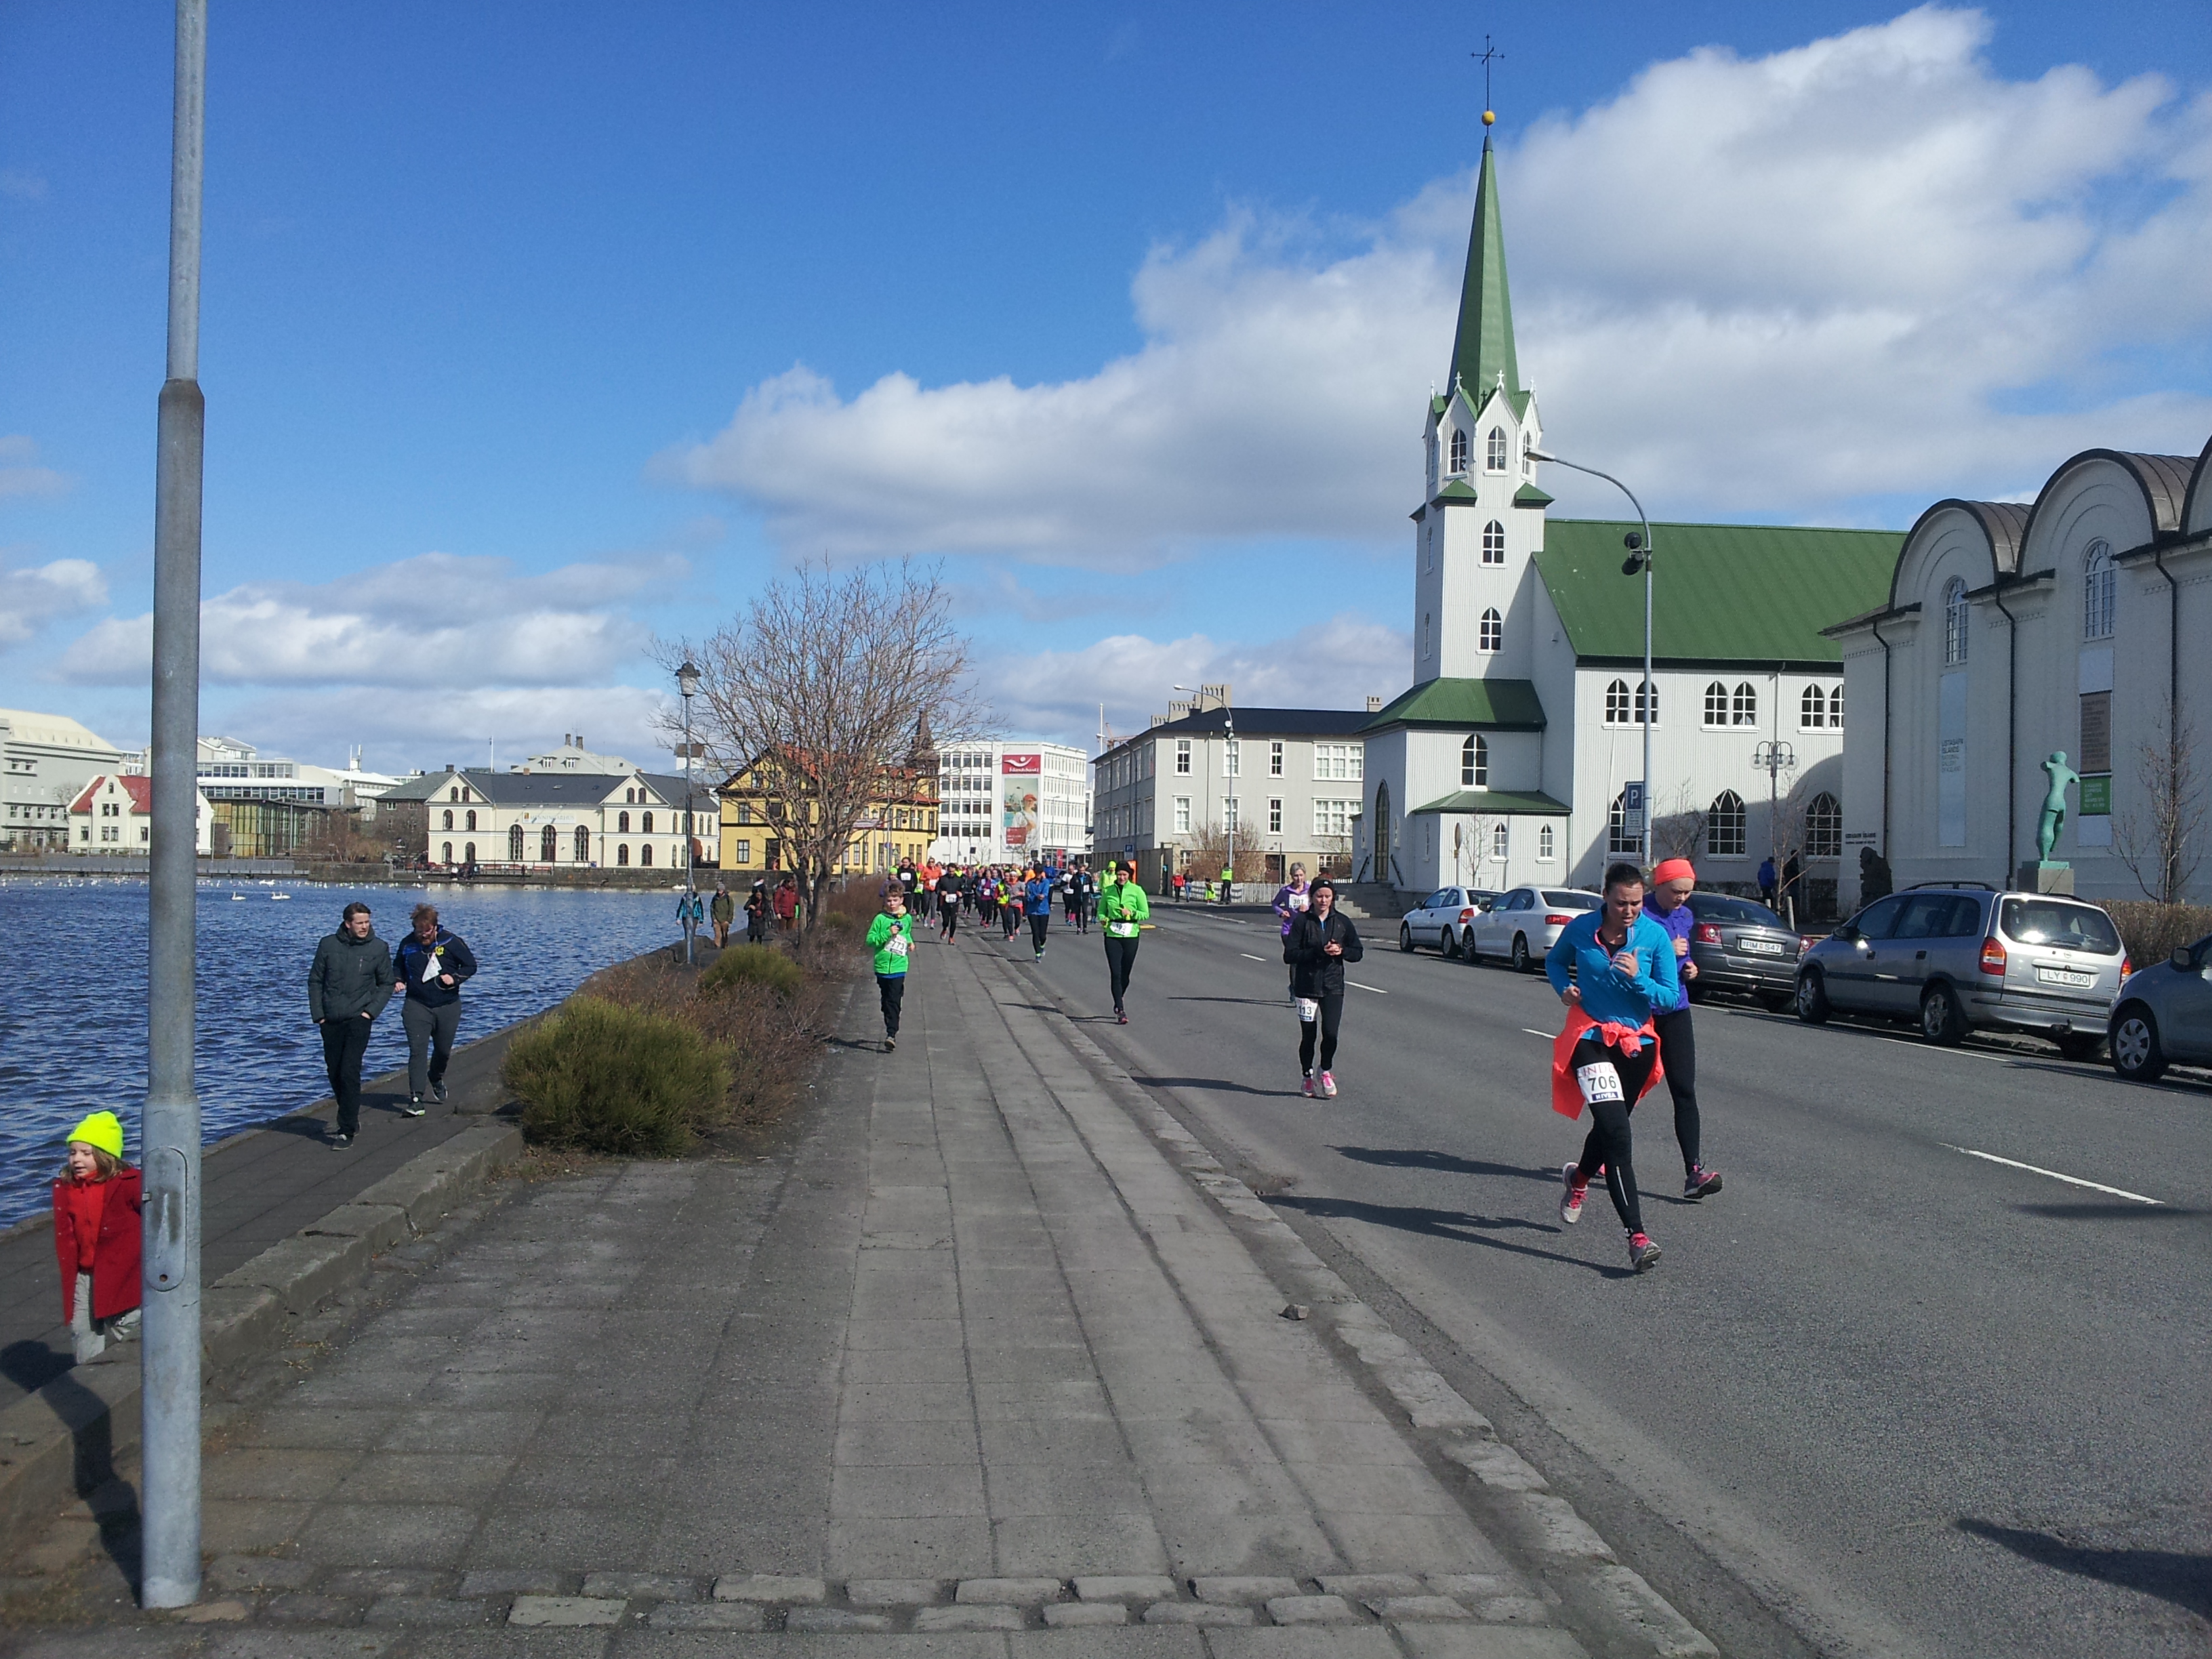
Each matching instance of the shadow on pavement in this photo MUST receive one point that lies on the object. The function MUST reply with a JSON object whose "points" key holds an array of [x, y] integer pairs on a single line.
{"points": [[1282, 1002], [1457, 1225], [31, 1366], [1218, 1083], [1396, 1157], [2184, 1580], [113, 1501]]}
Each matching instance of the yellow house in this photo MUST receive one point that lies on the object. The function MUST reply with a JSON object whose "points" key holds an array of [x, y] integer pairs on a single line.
{"points": [[898, 825]]}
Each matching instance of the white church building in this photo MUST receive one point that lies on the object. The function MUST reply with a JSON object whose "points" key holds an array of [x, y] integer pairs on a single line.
{"points": [[1504, 761]]}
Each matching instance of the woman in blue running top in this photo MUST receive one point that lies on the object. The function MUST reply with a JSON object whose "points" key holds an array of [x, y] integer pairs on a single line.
{"points": [[1623, 971]]}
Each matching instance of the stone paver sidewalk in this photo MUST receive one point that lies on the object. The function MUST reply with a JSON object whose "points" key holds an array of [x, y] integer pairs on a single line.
{"points": [[979, 1369]]}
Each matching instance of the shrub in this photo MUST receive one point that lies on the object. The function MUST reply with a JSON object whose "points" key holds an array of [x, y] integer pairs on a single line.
{"points": [[608, 1078], [2151, 931], [761, 965]]}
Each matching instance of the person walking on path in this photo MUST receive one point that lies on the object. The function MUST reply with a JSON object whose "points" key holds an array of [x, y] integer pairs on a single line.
{"points": [[758, 909], [1009, 902], [691, 914], [786, 903], [1667, 902], [1123, 909], [1178, 885], [1607, 1053], [1767, 882], [722, 912], [952, 887], [98, 1202], [349, 982], [1036, 900], [890, 936], [430, 965], [1320, 944], [1228, 883]]}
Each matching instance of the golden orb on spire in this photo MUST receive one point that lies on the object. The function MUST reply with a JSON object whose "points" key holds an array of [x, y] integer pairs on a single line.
{"points": [[1490, 117]]}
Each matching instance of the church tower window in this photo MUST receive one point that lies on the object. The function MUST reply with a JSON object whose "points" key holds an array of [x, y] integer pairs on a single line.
{"points": [[1493, 543], [1492, 637], [1497, 457], [1954, 621], [1459, 447], [2097, 592], [1475, 762]]}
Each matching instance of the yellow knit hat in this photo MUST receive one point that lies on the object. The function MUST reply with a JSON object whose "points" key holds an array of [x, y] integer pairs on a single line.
{"points": [[103, 1130]]}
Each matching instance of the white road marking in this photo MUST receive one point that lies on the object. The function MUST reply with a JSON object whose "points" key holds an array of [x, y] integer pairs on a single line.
{"points": [[1248, 957], [1549, 1037], [2071, 1181], [1377, 989]]}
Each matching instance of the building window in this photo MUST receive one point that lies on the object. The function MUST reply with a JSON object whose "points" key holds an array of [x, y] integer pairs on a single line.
{"points": [[448, 824], [514, 844], [548, 844], [622, 823], [1500, 839], [1644, 692], [1955, 620], [1492, 636], [1493, 543], [1236, 759], [1475, 762], [1497, 459], [1717, 704], [1812, 709], [1725, 826], [1459, 447], [583, 843], [1824, 827], [1836, 709], [1333, 818], [646, 823], [1617, 711], [1274, 815], [1338, 762], [645, 854], [1543, 844], [1617, 838], [469, 853], [622, 854], [1424, 633], [445, 852], [2098, 592], [1229, 812], [1274, 760], [1744, 709], [743, 849], [1182, 815], [454, 794], [471, 823], [1182, 754]]}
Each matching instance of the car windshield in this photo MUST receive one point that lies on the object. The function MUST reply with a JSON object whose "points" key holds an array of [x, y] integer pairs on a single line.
{"points": [[1720, 906], [1570, 901], [2054, 921]]}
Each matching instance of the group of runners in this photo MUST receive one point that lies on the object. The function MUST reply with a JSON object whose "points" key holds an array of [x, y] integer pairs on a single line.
{"points": [[1622, 972]]}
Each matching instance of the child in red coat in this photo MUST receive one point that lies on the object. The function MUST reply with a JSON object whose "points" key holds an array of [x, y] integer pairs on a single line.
{"points": [[96, 1208]]}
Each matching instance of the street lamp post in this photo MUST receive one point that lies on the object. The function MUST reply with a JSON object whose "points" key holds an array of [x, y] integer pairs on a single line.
{"points": [[1639, 559], [687, 682]]}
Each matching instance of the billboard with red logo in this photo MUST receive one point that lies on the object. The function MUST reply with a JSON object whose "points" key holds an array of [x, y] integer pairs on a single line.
{"points": [[1023, 765]]}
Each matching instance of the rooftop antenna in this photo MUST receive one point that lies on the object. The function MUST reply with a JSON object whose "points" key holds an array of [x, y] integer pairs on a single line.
{"points": [[1488, 56]]}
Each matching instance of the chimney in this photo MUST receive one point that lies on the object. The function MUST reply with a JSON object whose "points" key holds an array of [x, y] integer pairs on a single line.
{"points": [[1374, 704]]}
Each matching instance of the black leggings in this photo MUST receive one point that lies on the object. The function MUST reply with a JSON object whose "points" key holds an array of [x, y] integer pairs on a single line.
{"points": [[1037, 925], [1332, 1015], [950, 915], [1609, 1142], [1121, 961], [1010, 915], [891, 989], [1679, 1048]]}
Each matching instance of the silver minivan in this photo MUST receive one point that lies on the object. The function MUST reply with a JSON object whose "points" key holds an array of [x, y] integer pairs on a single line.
{"points": [[1953, 957]]}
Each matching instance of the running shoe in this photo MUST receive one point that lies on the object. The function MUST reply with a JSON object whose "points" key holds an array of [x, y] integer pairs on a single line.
{"points": [[438, 1093], [1642, 1252], [1120, 1018], [1309, 1086], [889, 1043], [1699, 1182], [1571, 1200], [339, 1143], [413, 1108], [1329, 1085]]}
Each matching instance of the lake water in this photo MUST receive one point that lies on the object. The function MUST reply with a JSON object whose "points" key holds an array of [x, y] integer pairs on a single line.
{"points": [[73, 1008]]}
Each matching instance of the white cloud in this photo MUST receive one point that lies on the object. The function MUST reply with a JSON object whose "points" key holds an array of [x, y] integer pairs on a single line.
{"points": [[38, 594], [22, 475], [1867, 266], [437, 617], [468, 725], [1332, 664]]}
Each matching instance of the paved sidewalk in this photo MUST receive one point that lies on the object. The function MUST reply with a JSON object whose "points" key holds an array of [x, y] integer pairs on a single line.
{"points": [[978, 1370]]}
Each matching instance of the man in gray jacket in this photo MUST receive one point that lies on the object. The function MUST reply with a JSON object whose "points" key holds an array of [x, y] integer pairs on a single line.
{"points": [[347, 988]]}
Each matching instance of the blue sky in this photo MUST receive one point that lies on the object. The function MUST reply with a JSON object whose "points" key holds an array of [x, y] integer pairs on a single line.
{"points": [[531, 330]]}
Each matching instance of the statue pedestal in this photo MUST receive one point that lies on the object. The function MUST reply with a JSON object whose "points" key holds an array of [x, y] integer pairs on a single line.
{"points": [[2046, 877]]}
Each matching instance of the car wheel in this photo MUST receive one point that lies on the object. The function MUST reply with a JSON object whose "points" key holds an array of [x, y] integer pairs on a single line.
{"points": [[1812, 998], [1520, 953], [1447, 945], [1940, 1022], [2136, 1054], [2079, 1045], [1774, 1002], [1470, 952], [1405, 937]]}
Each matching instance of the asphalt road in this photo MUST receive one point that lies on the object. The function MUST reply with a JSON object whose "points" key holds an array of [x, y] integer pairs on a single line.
{"points": [[1880, 1396]]}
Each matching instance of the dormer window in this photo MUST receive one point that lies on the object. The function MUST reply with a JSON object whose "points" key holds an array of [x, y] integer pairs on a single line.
{"points": [[1497, 449], [1459, 451]]}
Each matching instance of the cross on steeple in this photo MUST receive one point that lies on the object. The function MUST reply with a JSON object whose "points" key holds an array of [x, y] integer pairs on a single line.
{"points": [[1489, 55]]}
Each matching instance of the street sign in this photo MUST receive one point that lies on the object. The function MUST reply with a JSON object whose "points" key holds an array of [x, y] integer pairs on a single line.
{"points": [[1632, 808]]}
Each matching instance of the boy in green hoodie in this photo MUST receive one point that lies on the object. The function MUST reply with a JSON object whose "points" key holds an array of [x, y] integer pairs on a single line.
{"points": [[890, 936]]}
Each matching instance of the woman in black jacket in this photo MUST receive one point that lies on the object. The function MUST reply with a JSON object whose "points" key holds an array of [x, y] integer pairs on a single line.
{"points": [[1322, 941]]}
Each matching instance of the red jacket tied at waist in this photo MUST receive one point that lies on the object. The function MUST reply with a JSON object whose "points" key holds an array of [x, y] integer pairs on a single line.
{"points": [[103, 1215], [1566, 1093]]}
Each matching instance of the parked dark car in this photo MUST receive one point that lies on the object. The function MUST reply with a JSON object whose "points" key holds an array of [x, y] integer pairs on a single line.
{"points": [[1739, 944], [2165, 1015]]}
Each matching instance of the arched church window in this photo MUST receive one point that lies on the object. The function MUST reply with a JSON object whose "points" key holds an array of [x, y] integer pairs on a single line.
{"points": [[1459, 448], [1497, 457], [1500, 840], [1812, 709], [2097, 592], [1617, 838], [1824, 827], [1493, 543], [1724, 826], [1649, 693], [1493, 630], [1616, 703], [1836, 709], [1475, 762], [1745, 709], [515, 843], [1717, 704], [1955, 620]]}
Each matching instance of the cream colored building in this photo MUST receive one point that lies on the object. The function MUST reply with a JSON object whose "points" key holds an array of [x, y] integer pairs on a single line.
{"points": [[45, 761]]}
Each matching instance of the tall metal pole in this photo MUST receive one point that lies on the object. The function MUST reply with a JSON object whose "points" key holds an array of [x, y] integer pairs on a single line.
{"points": [[690, 877], [1646, 703], [170, 1132]]}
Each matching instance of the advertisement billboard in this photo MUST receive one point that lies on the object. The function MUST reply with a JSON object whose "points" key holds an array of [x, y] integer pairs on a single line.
{"points": [[1023, 775]]}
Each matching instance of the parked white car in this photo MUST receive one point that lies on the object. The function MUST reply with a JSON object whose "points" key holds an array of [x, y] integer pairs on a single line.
{"points": [[1441, 919], [1523, 923]]}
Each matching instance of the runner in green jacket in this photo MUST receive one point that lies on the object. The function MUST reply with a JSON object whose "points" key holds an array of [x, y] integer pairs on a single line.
{"points": [[890, 936], [1122, 910]]}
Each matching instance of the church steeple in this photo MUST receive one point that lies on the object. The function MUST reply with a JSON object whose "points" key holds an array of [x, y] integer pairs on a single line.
{"points": [[1482, 348]]}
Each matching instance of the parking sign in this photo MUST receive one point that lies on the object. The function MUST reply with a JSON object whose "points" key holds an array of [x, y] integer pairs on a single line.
{"points": [[1632, 808]]}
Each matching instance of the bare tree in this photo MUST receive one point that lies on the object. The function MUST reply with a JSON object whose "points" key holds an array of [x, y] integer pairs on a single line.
{"points": [[1207, 850], [1681, 833], [2161, 841], [825, 688]]}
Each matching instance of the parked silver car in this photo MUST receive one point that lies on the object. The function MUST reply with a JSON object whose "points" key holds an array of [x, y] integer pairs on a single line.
{"points": [[1739, 944], [1439, 919], [1954, 958], [1523, 923], [2165, 1015]]}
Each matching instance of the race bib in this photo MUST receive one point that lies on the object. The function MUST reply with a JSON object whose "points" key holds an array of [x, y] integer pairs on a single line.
{"points": [[1599, 1082], [896, 945], [1309, 1010]]}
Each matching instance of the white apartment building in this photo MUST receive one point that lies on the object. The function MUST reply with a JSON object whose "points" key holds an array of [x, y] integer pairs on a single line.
{"points": [[113, 816], [45, 761], [230, 769], [1005, 801]]}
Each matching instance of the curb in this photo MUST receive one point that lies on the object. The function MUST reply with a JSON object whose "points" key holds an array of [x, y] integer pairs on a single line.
{"points": [[60, 1444]]}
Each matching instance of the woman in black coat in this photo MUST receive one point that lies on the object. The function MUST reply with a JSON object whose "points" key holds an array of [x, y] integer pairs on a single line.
{"points": [[1321, 942]]}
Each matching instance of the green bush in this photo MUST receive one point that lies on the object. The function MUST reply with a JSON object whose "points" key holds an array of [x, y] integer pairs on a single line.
{"points": [[602, 1078], [761, 965]]}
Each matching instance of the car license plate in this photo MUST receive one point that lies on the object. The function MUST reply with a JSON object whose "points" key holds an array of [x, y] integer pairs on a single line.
{"points": [[1759, 947], [2065, 976]]}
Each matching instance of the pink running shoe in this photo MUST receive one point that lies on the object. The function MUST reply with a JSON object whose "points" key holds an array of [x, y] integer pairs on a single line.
{"points": [[1570, 1200], [1642, 1252], [1329, 1085], [1309, 1086]]}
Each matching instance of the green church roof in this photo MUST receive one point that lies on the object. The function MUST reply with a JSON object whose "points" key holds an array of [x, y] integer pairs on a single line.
{"points": [[1483, 347], [1722, 592], [1513, 802], [1498, 705]]}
